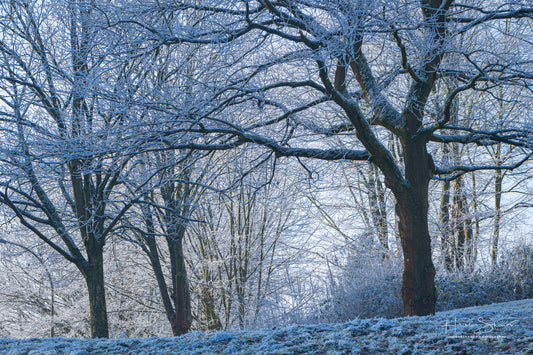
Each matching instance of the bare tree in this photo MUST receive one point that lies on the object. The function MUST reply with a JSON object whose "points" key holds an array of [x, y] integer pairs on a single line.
{"points": [[328, 79], [173, 82], [242, 247], [165, 214], [61, 154]]}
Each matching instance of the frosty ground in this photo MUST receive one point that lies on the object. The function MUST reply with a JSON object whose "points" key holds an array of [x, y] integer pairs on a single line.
{"points": [[504, 328]]}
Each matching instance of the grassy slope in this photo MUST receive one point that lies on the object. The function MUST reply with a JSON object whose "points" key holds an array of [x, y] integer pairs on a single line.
{"points": [[505, 328]]}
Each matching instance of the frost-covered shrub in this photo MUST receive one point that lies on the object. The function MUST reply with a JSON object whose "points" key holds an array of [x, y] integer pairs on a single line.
{"points": [[515, 272], [369, 288], [461, 290], [511, 279]]}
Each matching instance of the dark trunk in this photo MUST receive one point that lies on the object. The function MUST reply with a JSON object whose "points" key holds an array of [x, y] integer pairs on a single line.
{"points": [[418, 289], [418, 284], [180, 287], [94, 277], [173, 300], [160, 278], [93, 268]]}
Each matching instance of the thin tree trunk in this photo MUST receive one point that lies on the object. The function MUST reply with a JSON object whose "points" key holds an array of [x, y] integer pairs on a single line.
{"points": [[378, 211], [207, 300], [498, 179], [446, 234], [155, 262], [462, 228], [177, 197], [475, 232]]}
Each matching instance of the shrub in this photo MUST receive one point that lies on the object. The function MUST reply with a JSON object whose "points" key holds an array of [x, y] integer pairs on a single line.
{"points": [[515, 272], [459, 290], [511, 279], [371, 288], [367, 289]]}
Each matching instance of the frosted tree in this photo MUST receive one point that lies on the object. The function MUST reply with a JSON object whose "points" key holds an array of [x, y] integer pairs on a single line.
{"points": [[247, 238], [331, 79], [63, 118], [159, 223]]}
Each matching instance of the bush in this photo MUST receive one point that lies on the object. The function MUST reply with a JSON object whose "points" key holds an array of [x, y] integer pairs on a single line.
{"points": [[367, 289], [371, 288], [511, 279], [460, 290], [515, 272]]}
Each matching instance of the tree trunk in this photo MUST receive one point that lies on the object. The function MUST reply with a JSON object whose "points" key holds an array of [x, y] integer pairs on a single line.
{"points": [[498, 181], [155, 262], [173, 300], [418, 289], [459, 232], [94, 277], [462, 227], [378, 211], [418, 282], [208, 307], [445, 238], [180, 287]]}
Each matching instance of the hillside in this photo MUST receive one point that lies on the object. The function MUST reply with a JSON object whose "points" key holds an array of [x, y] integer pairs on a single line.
{"points": [[505, 328]]}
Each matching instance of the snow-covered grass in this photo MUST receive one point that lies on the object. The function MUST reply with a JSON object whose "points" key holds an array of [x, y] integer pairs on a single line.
{"points": [[504, 328]]}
